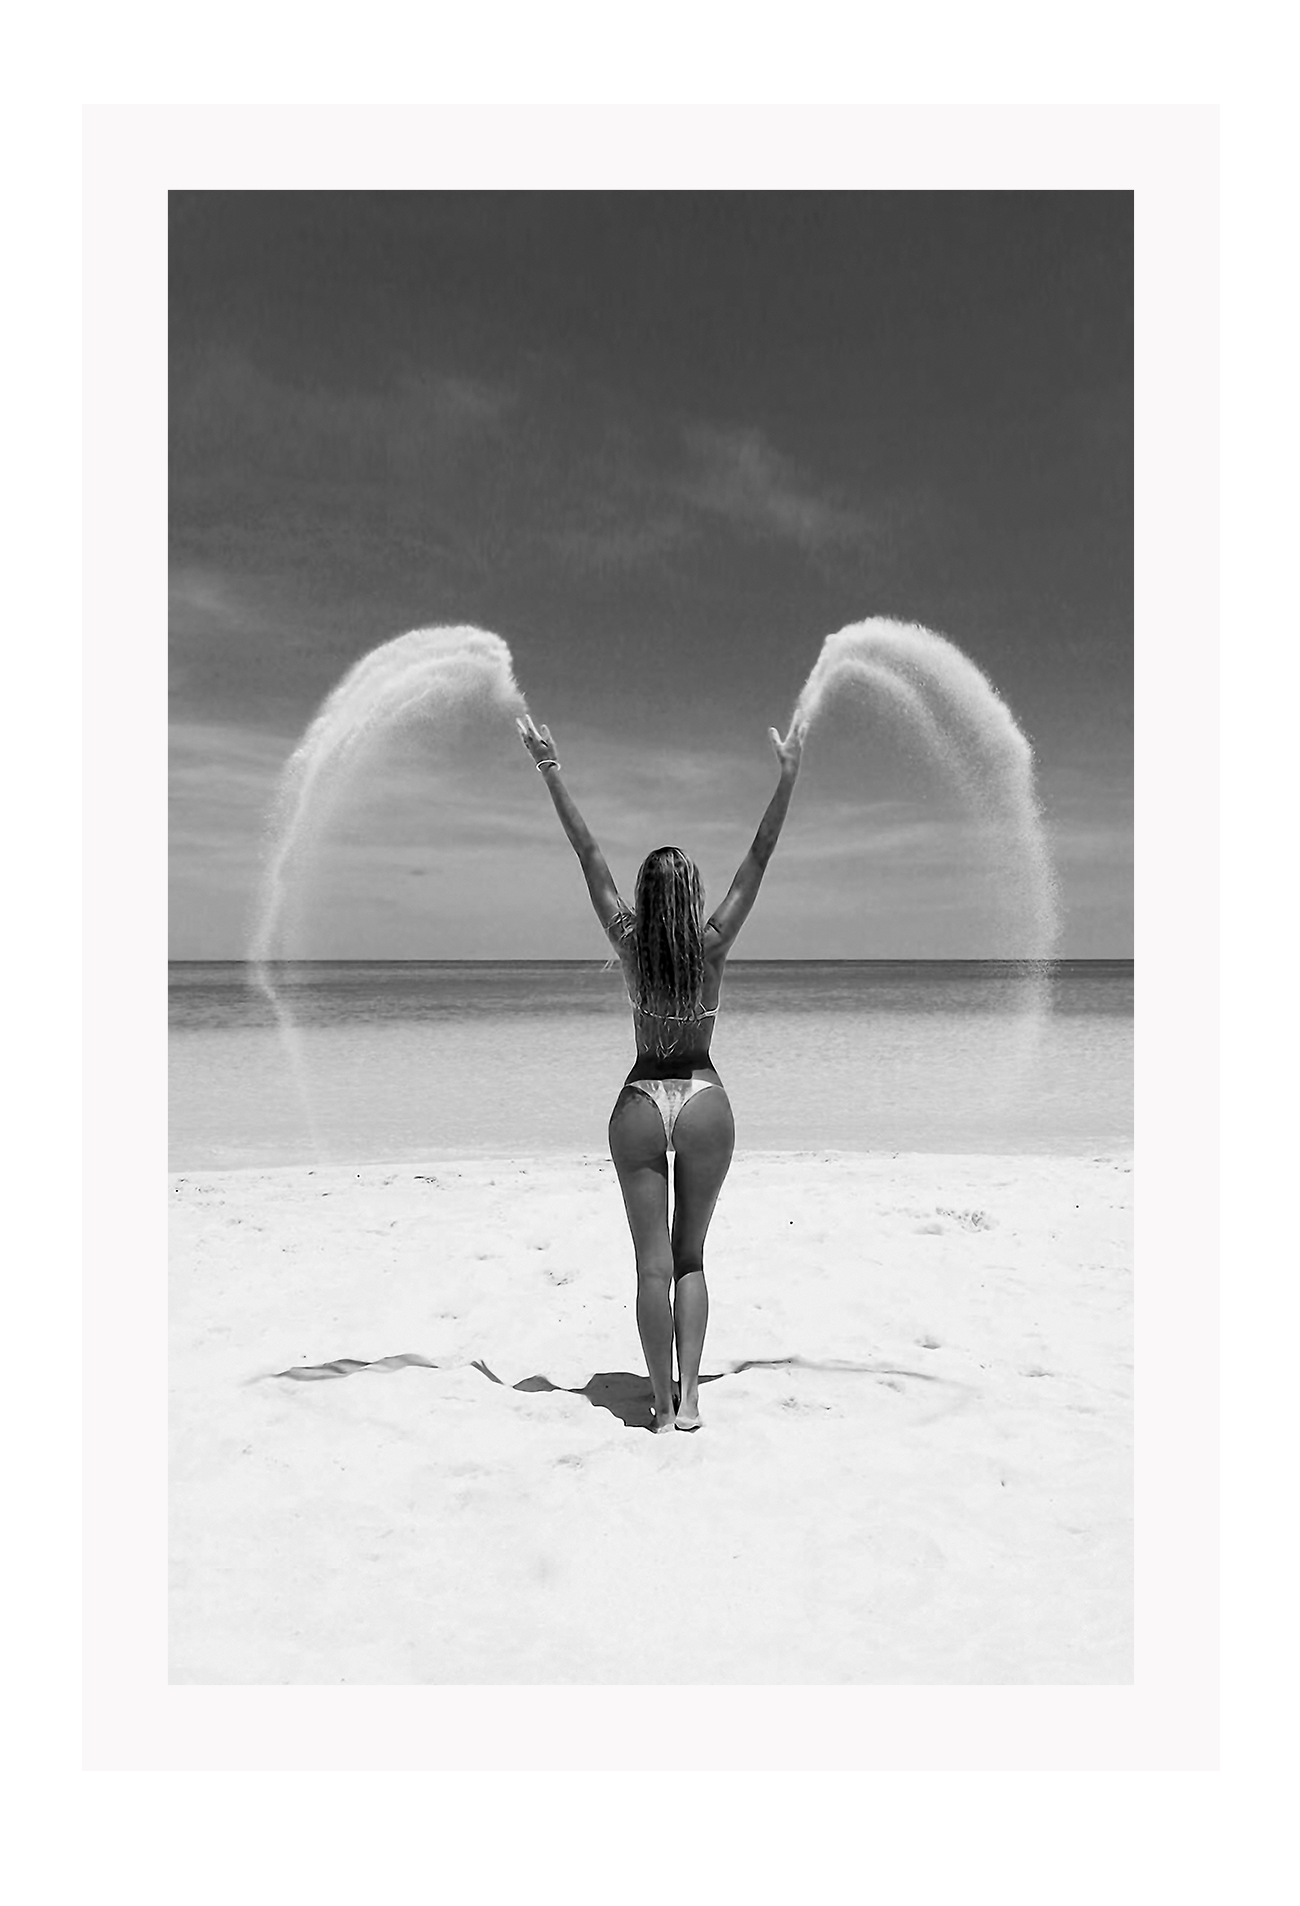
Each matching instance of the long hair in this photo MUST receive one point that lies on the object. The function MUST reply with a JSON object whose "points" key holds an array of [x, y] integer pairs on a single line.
{"points": [[669, 934]]}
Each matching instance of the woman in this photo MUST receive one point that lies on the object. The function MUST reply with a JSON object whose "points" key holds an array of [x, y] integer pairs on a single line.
{"points": [[672, 1100]]}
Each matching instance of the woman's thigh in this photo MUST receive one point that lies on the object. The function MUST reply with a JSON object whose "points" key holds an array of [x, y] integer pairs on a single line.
{"points": [[636, 1145], [704, 1138]]}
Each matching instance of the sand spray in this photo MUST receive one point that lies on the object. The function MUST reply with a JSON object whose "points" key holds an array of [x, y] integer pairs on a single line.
{"points": [[439, 677], [436, 676], [949, 705], [973, 737]]}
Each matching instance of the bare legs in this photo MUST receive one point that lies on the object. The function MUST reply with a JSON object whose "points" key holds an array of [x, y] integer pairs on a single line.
{"points": [[654, 1321], [690, 1321], [672, 1306], [672, 1301]]}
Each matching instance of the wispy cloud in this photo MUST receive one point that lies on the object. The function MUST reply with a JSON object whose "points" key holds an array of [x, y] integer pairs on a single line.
{"points": [[268, 427], [466, 484], [221, 785], [714, 480], [273, 478], [739, 475]]}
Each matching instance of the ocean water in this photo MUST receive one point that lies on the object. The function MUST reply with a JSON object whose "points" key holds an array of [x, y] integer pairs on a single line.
{"points": [[409, 1060]]}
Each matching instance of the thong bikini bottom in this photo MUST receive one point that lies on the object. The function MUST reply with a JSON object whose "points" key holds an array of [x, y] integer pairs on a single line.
{"points": [[670, 1095]]}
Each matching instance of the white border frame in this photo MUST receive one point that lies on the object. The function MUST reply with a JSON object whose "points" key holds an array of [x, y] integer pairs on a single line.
{"points": [[1169, 157]]}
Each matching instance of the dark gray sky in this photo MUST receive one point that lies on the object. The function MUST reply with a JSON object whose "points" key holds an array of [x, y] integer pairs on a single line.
{"points": [[663, 444]]}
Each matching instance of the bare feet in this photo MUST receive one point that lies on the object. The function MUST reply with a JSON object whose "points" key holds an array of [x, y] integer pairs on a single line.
{"points": [[661, 1424], [688, 1413]]}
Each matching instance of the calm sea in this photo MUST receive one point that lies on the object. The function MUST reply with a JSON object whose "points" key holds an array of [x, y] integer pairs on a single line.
{"points": [[410, 1060]]}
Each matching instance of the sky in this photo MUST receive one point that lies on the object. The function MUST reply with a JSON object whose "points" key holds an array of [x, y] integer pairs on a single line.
{"points": [[662, 444]]}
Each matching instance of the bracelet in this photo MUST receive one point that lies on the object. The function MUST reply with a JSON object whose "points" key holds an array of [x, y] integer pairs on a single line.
{"points": [[546, 764]]}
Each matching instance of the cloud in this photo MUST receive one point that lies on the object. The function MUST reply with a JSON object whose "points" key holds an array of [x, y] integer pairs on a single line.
{"points": [[269, 475], [205, 602], [221, 784], [650, 502], [737, 474], [227, 411], [445, 486]]}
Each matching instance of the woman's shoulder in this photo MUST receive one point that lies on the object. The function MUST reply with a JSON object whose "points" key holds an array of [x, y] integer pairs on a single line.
{"points": [[716, 946]]}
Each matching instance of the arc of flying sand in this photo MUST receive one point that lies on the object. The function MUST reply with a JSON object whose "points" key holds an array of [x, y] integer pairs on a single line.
{"points": [[982, 746], [437, 672], [977, 721], [905, 698]]}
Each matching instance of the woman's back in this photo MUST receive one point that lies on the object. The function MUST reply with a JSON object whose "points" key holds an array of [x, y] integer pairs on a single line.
{"points": [[684, 1034]]}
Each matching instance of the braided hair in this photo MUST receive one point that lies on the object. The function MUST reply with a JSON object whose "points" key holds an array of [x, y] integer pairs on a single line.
{"points": [[669, 934]]}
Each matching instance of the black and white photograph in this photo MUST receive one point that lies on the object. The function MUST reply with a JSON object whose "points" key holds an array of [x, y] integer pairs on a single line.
{"points": [[651, 937]]}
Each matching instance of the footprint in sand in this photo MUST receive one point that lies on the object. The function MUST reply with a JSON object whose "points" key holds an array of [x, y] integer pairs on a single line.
{"points": [[968, 1220]]}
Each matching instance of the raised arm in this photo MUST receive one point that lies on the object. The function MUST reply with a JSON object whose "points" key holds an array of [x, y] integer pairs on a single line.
{"points": [[600, 882], [727, 920]]}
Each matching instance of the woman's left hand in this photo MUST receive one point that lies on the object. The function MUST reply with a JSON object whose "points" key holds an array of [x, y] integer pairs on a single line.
{"points": [[537, 740]]}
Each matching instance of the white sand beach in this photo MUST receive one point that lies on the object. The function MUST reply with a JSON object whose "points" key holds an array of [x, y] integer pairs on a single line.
{"points": [[915, 1464]]}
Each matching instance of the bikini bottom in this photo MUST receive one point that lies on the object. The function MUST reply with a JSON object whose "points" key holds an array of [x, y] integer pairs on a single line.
{"points": [[670, 1095]]}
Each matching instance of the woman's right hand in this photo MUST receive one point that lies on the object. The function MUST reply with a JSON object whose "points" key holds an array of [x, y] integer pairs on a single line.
{"points": [[790, 751], [537, 740]]}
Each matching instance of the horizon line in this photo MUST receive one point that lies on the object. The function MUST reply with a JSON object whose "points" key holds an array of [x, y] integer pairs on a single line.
{"points": [[880, 959]]}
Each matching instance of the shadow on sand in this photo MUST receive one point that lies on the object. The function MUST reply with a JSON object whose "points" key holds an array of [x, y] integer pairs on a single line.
{"points": [[622, 1392]]}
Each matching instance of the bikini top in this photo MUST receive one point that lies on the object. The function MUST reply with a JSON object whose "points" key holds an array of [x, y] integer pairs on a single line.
{"points": [[677, 1019]]}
